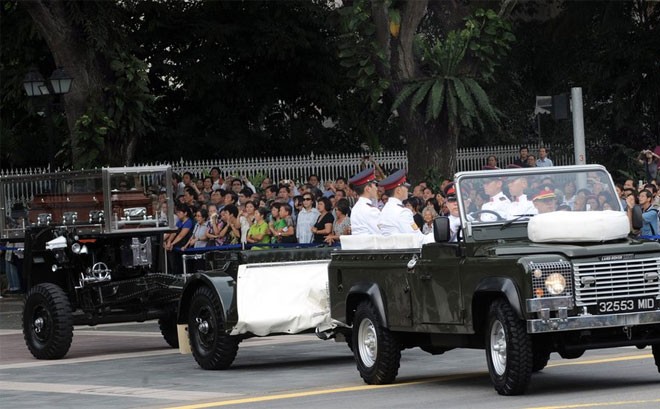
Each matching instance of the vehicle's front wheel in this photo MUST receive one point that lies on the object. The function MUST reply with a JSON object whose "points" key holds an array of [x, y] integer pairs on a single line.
{"points": [[167, 325], [375, 348], [211, 347], [47, 322], [656, 355], [508, 350]]}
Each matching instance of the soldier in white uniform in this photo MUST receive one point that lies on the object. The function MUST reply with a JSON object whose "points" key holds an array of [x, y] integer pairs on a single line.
{"points": [[498, 202], [520, 204], [395, 218], [364, 215]]}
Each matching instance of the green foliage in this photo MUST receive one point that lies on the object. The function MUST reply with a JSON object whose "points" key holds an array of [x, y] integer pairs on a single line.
{"points": [[452, 77], [434, 178], [359, 51]]}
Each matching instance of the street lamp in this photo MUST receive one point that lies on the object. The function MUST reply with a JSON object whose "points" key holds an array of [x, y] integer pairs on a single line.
{"points": [[59, 83]]}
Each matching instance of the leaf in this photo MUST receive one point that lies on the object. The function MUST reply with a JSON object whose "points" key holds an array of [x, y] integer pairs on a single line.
{"points": [[404, 94], [420, 94], [434, 106], [481, 98]]}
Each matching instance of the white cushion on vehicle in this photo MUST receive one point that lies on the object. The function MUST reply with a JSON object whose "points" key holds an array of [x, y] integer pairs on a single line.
{"points": [[565, 226], [379, 242]]}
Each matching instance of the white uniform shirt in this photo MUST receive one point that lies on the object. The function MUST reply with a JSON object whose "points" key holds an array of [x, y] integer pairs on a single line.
{"points": [[364, 217], [521, 205], [498, 203], [395, 218], [454, 224]]}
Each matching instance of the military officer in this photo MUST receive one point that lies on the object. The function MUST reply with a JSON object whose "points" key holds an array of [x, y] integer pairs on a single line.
{"points": [[545, 200], [520, 204], [498, 202], [364, 215], [452, 205], [395, 217]]}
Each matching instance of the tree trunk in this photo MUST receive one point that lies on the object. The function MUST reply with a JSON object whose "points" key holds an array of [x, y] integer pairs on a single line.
{"points": [[71, 54]]}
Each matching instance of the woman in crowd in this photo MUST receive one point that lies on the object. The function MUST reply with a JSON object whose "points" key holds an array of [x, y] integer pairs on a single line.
{"points": [[323, 225], [491, 162], [258, 232], [198, 238], [247, 219], [283, 229], [214, 226], [569, 193], [342, 223], [429, 214], [232, 230], [307, 217]]}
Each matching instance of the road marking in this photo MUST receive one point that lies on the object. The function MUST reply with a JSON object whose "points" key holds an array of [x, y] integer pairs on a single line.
{"points": [[603, 360], [119, 391], [597, 404], [293, 395]]}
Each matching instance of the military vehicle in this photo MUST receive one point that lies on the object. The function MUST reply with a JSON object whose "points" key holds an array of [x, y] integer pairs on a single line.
{"points": [[518, 285]]}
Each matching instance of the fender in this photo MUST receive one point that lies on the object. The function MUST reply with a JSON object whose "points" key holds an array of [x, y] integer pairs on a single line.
{"points": [[504, 286], [223, 286], [370, 291]]}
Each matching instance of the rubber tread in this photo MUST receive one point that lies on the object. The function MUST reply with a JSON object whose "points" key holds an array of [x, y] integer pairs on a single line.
{"points": [[54, 300], [388, 357], [517, 375], [225, 347]]}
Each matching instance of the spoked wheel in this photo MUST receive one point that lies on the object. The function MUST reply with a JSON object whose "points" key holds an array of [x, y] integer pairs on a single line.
{"points": [[375, 348], [47, 322], [508, 350], [211, 347], [168, 329]]}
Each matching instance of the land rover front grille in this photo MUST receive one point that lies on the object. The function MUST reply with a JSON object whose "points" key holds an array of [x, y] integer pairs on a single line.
{"points": [[608, 280]]}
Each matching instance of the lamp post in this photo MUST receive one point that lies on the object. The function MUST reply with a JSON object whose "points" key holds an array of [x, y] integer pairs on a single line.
{"points": [[58, 84]]}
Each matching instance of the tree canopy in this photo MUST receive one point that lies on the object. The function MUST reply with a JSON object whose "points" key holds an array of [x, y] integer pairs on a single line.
{"points": [[161, 80]]}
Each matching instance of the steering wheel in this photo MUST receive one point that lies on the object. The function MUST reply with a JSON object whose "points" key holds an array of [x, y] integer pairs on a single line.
{"points": [[494, 213]]}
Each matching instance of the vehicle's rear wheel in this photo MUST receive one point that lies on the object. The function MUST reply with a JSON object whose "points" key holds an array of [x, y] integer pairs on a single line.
{"points": [[656, 355], [508, 350], [167, 325], [211, 347], [375, 348], [47, 322]]}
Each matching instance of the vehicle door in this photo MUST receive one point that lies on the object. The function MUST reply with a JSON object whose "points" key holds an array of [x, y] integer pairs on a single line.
{"points": [[435, 285]]}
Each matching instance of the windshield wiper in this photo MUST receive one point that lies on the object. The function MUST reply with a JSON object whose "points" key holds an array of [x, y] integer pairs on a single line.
{"points": [[519, 217]]}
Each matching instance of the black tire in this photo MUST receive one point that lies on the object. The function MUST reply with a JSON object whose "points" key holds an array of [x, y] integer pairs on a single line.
{"points": [[47, 322], [656, 355], [540, 359], [573, 354], [508, 350], [168, 328], [376, 350], [211, 347]]}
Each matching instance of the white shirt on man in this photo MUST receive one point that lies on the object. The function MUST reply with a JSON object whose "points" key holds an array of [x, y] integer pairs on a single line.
{"points": [[364, 217]]}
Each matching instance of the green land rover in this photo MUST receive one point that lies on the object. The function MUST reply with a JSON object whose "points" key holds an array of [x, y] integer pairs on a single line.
{"points": [[520, 281]]}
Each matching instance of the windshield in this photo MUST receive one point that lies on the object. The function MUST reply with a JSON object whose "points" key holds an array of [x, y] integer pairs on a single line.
{"points": [[501, 196]]}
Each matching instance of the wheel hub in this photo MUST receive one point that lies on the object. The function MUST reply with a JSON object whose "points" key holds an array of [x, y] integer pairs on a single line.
{"points": [[202, 326], [38, 325], [498, 347], [368, 343]]}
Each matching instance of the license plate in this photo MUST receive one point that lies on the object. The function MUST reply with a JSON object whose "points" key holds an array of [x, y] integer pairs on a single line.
{"points": [[626, 305]]}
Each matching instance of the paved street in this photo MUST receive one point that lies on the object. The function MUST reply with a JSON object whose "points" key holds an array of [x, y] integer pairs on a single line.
{"points": [[130, 366]]}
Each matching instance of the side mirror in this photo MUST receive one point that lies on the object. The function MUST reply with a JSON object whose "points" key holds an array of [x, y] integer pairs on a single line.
{"points": [[441, 230]]}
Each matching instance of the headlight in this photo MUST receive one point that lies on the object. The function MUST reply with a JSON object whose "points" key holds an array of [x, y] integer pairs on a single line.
{"points": [[555, 284]]}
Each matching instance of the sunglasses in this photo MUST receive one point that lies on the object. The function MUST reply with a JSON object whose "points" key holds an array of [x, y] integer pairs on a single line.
{"points": [[307, 198]]}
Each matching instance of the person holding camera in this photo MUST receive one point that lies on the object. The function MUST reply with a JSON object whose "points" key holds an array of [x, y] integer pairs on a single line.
{"points": [[650, 161]]}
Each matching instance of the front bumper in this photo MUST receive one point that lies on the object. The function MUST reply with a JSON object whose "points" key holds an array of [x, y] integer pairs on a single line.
{"points": [[582, 322]]}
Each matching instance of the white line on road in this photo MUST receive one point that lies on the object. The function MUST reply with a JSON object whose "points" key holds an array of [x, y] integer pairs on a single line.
{"points": [[120, 391]]}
